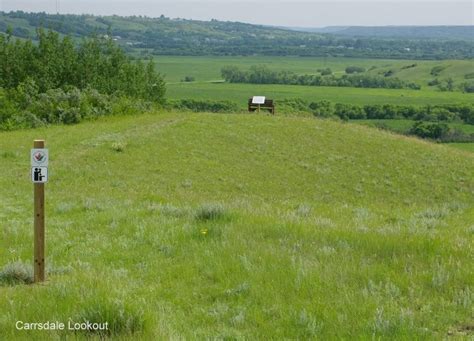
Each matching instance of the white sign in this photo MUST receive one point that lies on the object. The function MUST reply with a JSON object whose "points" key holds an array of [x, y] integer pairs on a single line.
{"points": [[39, 158], [39, 175], [258, 100]]}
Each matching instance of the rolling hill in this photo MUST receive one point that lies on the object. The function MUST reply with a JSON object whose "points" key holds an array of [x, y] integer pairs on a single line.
{"points": [[179, 225], [174, 36], [407, 32]]}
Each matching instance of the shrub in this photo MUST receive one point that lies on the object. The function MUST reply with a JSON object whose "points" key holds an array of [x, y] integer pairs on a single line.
{"points": [[431, 130], [436, 70], [322, 108], [189, 79], [354, 69], [326, 71], [204, 106], [57, 62], [468, 87], [210, 212], [469, 75]]}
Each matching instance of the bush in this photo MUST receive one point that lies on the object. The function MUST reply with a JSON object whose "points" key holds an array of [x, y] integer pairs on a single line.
{"points": [[431, 130], [322, 108], [189, 79], [354, 69], [56, 62], [468, 87], [204, 106], [469, 75], [435, 71], [325, 72], [27, 109]]}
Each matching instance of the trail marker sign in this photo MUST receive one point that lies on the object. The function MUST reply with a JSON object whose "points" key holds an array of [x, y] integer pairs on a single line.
{"points": [[39, 175]]}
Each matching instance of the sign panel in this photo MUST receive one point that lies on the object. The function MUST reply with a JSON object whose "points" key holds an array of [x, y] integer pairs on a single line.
{"points": [[39, 158], [258, 100], [39, 175]]}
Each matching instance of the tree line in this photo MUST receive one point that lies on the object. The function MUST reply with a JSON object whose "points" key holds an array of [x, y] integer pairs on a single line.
{"points": [[96, 63], [57, 81], [261, 74], [165, 36], [431, 113]]}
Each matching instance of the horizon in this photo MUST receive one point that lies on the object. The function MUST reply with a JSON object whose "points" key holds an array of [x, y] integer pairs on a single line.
{"points": [[300, 14]]}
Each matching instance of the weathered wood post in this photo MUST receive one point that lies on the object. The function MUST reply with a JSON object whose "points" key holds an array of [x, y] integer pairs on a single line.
{"points": [[39, 216]]}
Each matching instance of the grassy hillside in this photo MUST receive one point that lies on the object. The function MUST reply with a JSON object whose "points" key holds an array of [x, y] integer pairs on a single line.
{"points": [[242, 226], [167, 36], [422, 32]]}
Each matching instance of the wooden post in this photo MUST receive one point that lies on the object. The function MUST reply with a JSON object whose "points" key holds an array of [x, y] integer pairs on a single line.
{"points": [[39, 275]]}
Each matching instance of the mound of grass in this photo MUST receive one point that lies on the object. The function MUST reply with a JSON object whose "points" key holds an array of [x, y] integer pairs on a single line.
{"points": [[210, 212], [122, 319], [16, 273]]}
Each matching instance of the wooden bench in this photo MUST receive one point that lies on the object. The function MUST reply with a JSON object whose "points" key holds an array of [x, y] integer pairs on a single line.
{"points": [[268, 105]]}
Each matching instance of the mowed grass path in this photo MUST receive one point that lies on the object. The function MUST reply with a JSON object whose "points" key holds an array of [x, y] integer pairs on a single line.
{"points": [[318, 229]]}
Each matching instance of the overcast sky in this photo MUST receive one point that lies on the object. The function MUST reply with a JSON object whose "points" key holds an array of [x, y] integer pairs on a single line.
{"points": [[303, 13]]}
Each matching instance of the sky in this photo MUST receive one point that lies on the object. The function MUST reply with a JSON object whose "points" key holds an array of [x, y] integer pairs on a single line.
{"points": [[299, 13]]}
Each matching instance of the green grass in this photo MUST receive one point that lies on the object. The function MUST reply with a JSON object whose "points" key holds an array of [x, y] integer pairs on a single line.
{"points": [[206, 71], [240, 93], [402, 126], [176, 68], [463, 146], [241, 226]]}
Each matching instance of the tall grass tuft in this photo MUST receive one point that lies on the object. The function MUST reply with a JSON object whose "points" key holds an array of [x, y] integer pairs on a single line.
{"points": [[122, 319], [16, 273], [210, 212]]}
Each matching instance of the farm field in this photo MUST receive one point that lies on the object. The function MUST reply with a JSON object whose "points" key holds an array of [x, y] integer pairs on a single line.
{"points": [[175, 68], [240, 93], [208, 83], [179, 225]]}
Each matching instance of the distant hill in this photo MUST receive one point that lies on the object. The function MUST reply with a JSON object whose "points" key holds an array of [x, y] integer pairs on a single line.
{"points": [[166, 36], [412, 32]]}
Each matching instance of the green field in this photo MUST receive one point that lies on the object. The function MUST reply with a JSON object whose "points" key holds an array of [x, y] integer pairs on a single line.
{"points": [[208, 85], [175, 68], [463, 146], [197, 226], [240, 93]]}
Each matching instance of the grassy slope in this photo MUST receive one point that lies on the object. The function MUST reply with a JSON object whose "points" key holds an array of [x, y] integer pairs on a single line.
{"points": [[331, 230]]}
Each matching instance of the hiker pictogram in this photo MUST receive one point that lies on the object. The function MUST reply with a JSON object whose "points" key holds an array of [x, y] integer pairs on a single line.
{"points": [[39, 174]]}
